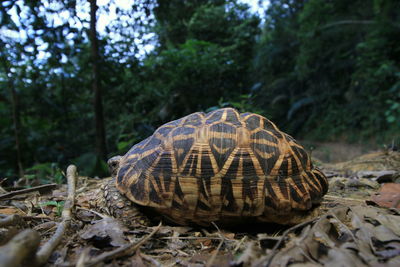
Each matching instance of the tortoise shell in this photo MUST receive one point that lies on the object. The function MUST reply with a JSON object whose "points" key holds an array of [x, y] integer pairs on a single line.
{"points": [[221, 166]]}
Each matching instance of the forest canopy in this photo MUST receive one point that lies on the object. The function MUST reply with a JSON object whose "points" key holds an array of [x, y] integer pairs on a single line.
{"points": [[71, 92]]}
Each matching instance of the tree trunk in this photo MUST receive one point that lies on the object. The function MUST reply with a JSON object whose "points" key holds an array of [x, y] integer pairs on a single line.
{"points": [[16, 118], [101, 149], [17, 127]]}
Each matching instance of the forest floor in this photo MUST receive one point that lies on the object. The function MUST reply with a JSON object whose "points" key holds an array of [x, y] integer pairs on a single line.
{"points": [[357, 224]]}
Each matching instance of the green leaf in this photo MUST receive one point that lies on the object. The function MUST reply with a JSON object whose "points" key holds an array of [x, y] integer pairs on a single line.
{"points": [[122, 145], [391, 119]]}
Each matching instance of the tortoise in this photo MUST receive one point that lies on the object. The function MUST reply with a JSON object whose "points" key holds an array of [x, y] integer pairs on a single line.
{"points": [[223, 166]]}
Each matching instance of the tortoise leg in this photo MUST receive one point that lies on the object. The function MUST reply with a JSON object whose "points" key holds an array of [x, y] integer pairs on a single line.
{"points": [[121, 207]]}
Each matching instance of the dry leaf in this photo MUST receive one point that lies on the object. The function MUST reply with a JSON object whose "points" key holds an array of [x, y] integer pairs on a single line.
{"points": [[105, 232], [11, 210], [351, 236], [388, 196]]}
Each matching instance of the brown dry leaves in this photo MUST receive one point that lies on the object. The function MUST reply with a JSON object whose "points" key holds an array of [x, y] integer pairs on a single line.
{"points": [[388, 196], [348, 232], [348, 236]]}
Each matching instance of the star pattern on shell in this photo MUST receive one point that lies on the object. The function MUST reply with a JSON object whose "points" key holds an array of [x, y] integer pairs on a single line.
{"points": [[223, 164]]}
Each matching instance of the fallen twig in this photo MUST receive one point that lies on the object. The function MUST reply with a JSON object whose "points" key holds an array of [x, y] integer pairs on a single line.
{"points": [[152, 260], [94, 212], [239, 244], [39, 188], [46, 250], [121, 251], [82, 257], [343, 199], [19, 248], [215, 253], [45, 226], [36, 218], [193, 238], [284, 235]]}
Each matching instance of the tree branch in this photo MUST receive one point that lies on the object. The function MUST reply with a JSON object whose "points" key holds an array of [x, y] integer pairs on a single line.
{"points": [[350, 22]]}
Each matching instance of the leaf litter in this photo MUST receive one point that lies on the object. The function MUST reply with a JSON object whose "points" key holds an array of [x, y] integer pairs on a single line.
{"points": [[358, 225]]}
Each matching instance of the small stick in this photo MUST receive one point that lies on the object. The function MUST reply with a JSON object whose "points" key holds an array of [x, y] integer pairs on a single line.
{"points": [[182, 252], [219, 231], [36, 218], [45, 226], [288, 231], [28, 190], [11, 220], [214, 255], [336, 198], [82, 257], [154, 262], [193, 238], [19, 248], [94, 212], [46, 250], [121, 251], [239, 244]]}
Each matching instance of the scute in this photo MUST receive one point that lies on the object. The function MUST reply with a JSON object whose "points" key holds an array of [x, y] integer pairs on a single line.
{"points": [[214, 116], [221, 165], [253, 122]]}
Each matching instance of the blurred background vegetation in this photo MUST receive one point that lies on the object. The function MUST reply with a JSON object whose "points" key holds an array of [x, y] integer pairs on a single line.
{"points": [[72, 92]]}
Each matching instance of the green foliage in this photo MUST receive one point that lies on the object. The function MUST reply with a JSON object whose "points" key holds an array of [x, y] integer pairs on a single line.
{"points": [[91, 165], [392, 112], [58, 204], [328, 72], [211, 60], [244, 103], [48, 172], [199, 65], [319, 69]]}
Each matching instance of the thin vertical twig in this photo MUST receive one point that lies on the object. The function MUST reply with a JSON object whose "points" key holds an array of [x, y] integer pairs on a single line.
{"points": [[46, 250]]}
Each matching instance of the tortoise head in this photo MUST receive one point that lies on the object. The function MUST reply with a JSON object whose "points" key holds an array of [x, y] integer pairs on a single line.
{"points": [[113, 165]]}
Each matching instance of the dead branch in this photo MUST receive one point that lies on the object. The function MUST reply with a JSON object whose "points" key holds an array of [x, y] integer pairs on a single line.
{"points": [[46, 250], [21, 247], [121, 251], [14, 219], [39, 188]]}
